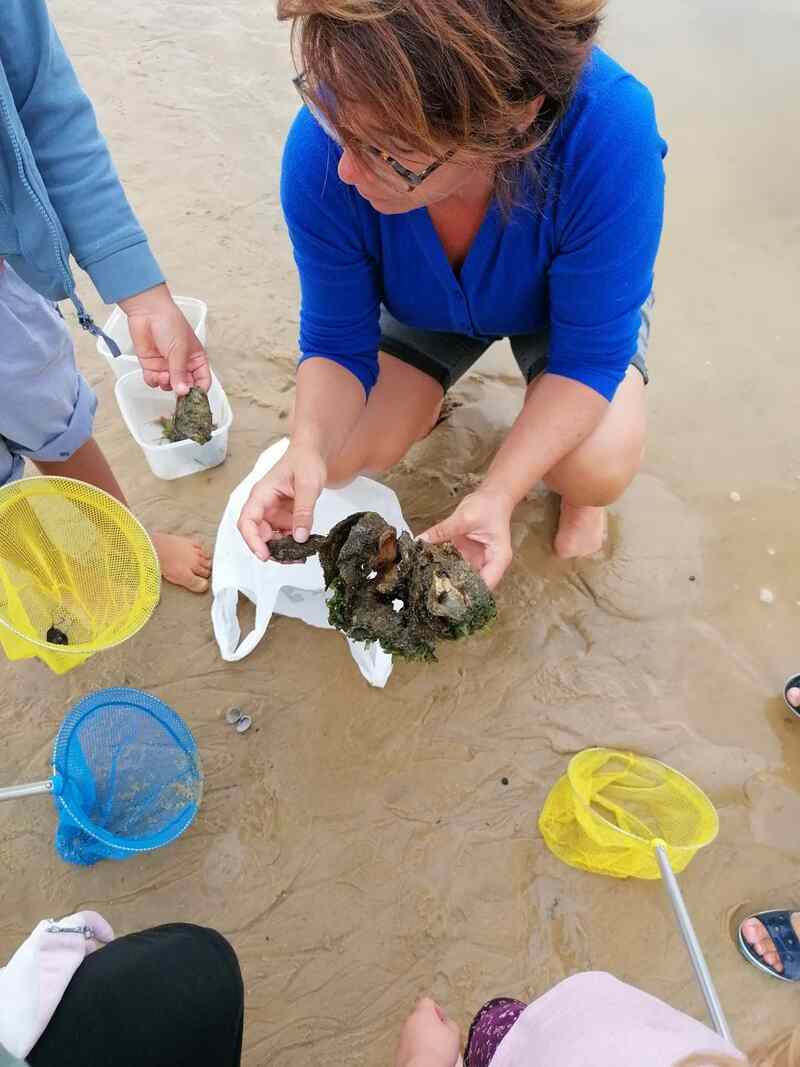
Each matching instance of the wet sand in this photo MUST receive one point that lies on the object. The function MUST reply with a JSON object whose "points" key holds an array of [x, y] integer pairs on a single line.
{"points": [[358, 847]]}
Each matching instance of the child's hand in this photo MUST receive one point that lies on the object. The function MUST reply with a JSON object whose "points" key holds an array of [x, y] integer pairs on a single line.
{"points": [[428, 1038], [167, 347]]}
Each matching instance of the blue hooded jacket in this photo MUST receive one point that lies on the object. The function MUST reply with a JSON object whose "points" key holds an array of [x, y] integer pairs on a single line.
{"points": [[60, 195]]}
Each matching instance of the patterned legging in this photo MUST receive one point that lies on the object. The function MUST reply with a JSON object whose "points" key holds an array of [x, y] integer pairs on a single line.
{"points": [[488, 1029]]}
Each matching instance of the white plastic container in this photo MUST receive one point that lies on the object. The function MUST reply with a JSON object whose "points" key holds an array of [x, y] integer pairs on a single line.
{"points": [[143, 407], [196, 313]]}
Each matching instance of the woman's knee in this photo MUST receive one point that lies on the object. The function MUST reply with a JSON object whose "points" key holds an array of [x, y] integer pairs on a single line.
{"points": [[386, 450], [383, 455], [594, 480]]}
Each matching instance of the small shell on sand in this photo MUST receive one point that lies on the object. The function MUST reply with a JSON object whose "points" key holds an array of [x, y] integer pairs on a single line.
{"points": [[770, 551], [734, 496], [766, 596]]}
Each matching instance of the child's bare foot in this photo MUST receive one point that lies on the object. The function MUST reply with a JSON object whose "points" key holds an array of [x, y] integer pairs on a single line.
{"points": [[581, 531], [183, 560], [755, 934]]}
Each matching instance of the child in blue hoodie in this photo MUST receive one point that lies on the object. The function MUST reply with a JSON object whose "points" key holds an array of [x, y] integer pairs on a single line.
{"points": [[60, 198]]}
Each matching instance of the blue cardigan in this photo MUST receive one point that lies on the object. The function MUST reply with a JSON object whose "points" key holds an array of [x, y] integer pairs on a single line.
{"points": [[59, 192], [578, 261]]}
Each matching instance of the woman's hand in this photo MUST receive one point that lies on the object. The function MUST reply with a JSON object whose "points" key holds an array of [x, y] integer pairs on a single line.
{"points": [[428, 1038], [480, 528], [167, 346], [284, 500]]}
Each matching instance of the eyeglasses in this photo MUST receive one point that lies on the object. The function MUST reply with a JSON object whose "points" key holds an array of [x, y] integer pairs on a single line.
{"points": [[414, 179]]}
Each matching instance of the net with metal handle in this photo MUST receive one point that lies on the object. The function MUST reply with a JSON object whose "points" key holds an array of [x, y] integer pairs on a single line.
{"points": [[605, 812], [78, 573], [126, 777], [631, 816]]}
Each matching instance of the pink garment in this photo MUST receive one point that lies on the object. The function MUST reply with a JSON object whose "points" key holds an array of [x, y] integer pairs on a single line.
{"points": [[34, 981], [594, 1020]]}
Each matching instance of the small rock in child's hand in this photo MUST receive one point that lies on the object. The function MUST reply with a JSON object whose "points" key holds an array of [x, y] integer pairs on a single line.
{"points": [[192, 419], [793, 696]]}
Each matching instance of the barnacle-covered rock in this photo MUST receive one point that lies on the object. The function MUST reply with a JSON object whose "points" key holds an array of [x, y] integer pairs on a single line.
{"points": [[406, 594], [192, 419], [287, 550]]}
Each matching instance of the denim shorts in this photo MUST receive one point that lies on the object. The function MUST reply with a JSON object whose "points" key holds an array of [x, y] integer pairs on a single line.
{"points": [[448, 356], [46, 406]]}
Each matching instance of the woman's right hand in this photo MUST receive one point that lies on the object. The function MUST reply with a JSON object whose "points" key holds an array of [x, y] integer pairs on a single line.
{"points": [[283, 501]]}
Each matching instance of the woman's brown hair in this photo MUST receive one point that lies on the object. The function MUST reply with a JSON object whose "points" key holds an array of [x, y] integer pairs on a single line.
{"points": [[432, 75]]}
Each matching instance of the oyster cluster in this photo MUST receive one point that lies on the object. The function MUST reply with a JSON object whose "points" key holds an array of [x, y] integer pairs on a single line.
{"points": [[406, 594], [192, 419]]}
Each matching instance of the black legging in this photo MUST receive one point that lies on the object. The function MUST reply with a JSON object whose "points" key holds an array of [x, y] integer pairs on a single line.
{"points": [[167, 997]]}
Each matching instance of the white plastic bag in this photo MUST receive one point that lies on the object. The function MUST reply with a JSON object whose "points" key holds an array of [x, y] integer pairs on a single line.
{"points": [[297, 590]]}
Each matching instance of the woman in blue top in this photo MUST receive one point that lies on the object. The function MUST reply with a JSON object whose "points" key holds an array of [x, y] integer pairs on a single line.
{"points": [[466, 170]]}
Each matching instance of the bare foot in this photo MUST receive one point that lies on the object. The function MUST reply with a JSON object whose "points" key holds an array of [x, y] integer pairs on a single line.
{"points": [[755, 934], [581, 531], [183, 560]]}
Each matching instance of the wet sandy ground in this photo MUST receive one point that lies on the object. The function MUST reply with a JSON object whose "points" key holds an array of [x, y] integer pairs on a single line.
{"points": [[359, 847]]}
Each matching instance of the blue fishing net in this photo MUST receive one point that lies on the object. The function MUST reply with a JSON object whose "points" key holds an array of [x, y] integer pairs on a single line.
{"points": [[127, 777]]}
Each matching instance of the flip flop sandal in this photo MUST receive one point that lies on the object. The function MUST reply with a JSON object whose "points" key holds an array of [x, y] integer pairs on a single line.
{"points": [[792, 682], [779, 927]]}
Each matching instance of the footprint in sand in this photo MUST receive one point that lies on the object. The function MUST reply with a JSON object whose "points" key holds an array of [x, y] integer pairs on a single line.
{"points": [[223, 863], [654, 545], [774, 810]]}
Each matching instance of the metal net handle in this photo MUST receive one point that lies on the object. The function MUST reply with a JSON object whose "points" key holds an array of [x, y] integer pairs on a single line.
{"points": [[32, 789], [704, 979]]}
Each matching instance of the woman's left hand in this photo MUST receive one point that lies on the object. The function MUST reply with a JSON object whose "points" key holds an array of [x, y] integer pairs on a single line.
{"points": [[168, 349], [428, 1038], [480, 528]]}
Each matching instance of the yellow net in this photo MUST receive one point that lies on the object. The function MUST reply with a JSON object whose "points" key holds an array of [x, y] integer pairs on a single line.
{"points": [[610, 809], [73, 562]]}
